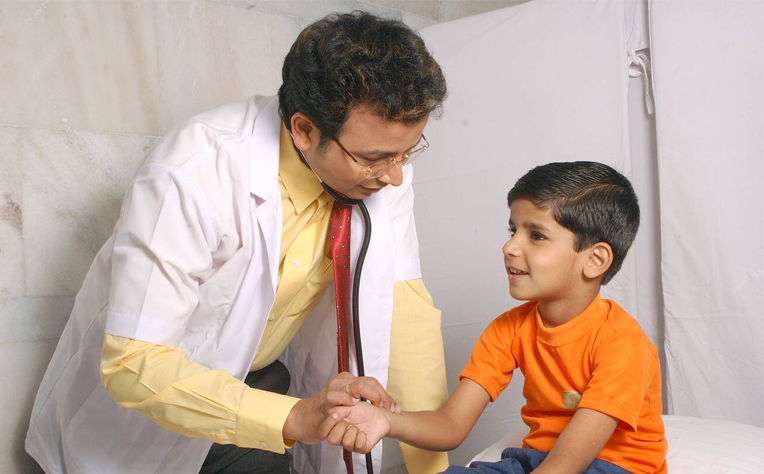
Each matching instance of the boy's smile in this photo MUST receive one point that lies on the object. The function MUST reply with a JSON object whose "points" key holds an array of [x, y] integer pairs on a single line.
{"points": [[514, 273], [540, 257]]}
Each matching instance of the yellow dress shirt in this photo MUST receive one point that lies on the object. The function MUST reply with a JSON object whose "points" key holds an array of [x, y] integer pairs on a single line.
{"points": [[188, 398]]}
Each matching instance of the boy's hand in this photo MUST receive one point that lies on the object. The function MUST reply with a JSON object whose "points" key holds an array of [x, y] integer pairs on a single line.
{"points": [[308, 415], [358, 428]]}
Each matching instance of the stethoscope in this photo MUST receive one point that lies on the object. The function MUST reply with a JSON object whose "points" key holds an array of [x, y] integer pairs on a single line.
{"points": [[357, 275]]}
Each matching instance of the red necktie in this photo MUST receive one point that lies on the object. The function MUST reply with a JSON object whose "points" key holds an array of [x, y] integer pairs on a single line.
{"points": [[340, 243]]}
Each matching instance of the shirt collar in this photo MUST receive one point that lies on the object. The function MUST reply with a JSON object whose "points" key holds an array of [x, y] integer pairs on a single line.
{"points": [[301, 184]]}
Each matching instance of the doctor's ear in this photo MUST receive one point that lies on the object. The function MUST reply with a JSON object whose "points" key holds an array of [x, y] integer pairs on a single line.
{"points": [[600, 259], [304, 132]]}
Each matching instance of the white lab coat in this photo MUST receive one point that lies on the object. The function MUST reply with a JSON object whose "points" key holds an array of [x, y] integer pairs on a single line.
{"points": [[76, 426]]}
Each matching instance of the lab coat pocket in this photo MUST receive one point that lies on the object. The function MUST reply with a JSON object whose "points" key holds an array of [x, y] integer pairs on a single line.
{"points": [[103, 434]]}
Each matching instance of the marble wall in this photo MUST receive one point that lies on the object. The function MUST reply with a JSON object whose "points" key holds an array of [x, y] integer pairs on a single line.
{"points": [[86, 89]]}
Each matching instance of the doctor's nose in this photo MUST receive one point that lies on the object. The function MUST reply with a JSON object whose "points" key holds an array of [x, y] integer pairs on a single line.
{"points": [[393, 176]]}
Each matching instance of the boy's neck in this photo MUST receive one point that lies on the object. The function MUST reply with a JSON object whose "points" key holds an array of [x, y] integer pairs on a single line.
{"points": [[557, 312]]}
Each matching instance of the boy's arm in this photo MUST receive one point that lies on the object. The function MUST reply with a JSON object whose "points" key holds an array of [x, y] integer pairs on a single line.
{"points": [[579, 443], [446, 428], [360, 427]]}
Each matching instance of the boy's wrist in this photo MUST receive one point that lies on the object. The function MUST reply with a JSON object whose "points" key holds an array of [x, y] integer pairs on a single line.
{"points": [[391, 418]]}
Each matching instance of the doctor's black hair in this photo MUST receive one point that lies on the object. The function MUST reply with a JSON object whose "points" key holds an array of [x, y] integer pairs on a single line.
{"points": [[592, 200], [357, 59]]}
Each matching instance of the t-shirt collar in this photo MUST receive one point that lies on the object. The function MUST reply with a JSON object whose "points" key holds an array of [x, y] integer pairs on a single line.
{"points": [[573, 329]]}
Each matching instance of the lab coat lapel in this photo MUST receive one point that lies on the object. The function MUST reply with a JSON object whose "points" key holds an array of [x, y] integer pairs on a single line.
{"points": [[376, 291], [375, 302], [264, 179]]}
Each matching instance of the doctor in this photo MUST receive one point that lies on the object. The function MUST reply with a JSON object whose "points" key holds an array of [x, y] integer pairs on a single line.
{"points": [[216, 287]]}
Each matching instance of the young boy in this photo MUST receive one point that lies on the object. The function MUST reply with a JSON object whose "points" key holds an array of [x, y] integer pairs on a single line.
{"points": [[592, 377]]}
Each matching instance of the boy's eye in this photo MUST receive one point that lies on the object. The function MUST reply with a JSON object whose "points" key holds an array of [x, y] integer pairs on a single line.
{"points": [[537, 236], [511, 231]]}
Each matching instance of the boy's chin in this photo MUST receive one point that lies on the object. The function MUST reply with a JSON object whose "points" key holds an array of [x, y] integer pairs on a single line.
{"points": [[518, 295]]}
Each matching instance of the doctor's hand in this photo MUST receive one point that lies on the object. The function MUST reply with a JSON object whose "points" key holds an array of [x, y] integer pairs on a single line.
{"points": [[305, 418], [358, 428]]}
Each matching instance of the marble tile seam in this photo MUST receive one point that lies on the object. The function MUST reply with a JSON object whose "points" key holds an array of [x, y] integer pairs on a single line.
{"points": [[36, 297], [257, 9], [159, 82], [24, 341], [264, 8], [76, 130]]}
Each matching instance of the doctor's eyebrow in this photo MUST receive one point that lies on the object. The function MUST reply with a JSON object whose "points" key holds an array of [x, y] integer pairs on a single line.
{"points": [[374, 155]]}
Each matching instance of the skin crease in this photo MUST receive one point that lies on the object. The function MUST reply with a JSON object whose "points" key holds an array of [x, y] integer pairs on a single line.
{"points": [[564, 282], [371, 137], [365, 135]]}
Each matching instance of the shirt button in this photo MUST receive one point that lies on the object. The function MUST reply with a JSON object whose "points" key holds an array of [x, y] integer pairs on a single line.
{"points": [[263, 444], [296, 263]]}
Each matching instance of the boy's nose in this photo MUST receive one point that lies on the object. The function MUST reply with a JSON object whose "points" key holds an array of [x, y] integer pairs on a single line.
{"points": [[510, 248]]}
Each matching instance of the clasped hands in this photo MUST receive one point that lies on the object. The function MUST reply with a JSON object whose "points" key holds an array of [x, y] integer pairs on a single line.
{"points": [[357, 428], [336, 414]]}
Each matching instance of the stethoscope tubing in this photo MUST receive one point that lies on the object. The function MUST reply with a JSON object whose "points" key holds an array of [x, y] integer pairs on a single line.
{"points": [[357, 275], [356, 287]]}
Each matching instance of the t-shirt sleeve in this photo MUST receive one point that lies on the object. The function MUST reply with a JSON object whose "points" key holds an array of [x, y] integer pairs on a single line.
{"points": [[622, 370], [492, 363]]}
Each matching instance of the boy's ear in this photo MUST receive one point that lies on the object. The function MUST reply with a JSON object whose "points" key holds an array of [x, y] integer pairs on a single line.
{"points": [[304, 133], [600, 259]]}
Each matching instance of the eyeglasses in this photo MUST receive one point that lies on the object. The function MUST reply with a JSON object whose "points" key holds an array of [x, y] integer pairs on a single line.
{"points": [[378, 168]]}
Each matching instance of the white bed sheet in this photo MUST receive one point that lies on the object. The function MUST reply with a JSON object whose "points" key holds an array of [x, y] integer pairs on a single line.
{"points": [[696, 446]]}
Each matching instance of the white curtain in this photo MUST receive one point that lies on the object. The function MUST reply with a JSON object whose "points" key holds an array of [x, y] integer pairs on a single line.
{"points": [[539, 82], [549, 81], [708, 80]]}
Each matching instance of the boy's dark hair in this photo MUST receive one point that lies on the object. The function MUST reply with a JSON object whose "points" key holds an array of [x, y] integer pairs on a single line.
{"points": [[592, 200], [358, 59]]}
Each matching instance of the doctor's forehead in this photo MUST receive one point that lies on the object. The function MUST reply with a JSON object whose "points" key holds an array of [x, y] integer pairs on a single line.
{"points": [[367, 131]]}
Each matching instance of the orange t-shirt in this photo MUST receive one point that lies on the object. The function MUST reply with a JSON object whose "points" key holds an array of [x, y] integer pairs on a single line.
{"points": [[601, 360]]}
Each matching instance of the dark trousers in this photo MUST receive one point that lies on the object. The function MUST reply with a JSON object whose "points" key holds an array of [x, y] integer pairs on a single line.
{"points": [[231, 459], [523, 461]]}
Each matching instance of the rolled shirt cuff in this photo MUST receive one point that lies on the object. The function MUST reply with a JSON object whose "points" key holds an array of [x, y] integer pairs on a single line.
{"points": [[261, 419]]}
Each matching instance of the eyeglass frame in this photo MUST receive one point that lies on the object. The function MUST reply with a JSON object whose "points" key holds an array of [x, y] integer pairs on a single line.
{"points": [[385, 166]]}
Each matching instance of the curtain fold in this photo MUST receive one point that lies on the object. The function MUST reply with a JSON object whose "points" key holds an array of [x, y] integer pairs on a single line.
{"points": [[549, 81], [708, 82]]}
